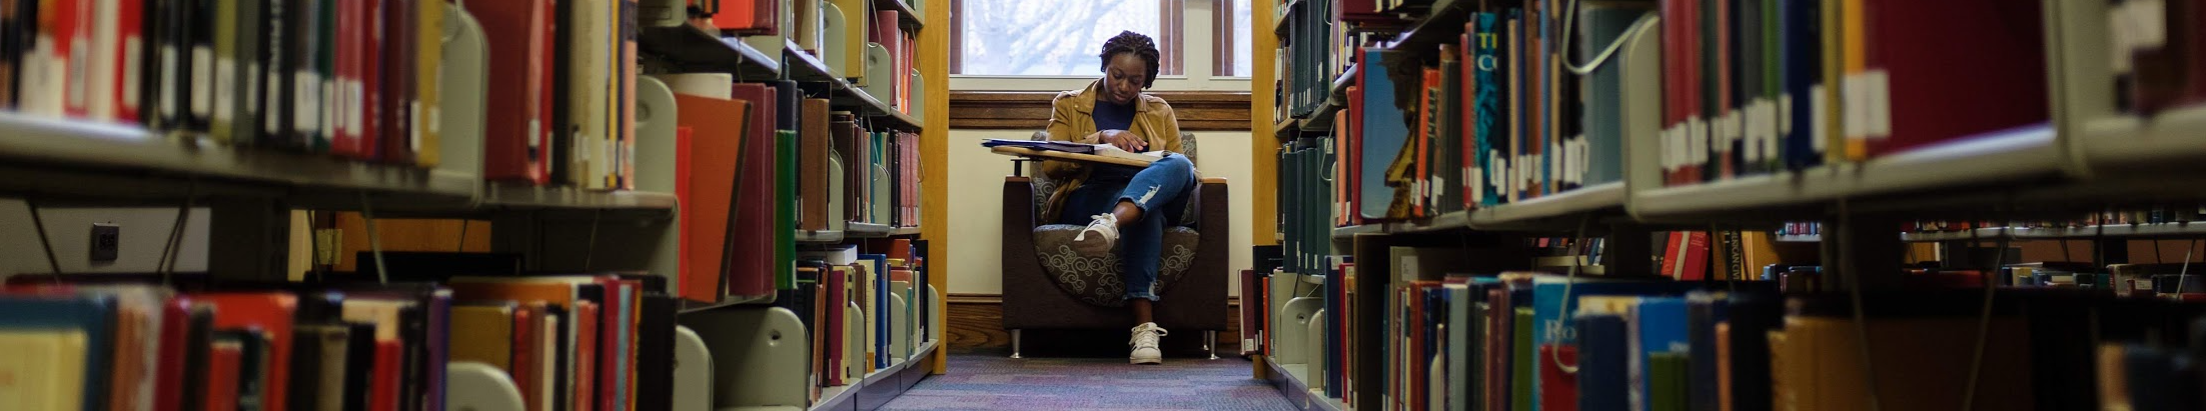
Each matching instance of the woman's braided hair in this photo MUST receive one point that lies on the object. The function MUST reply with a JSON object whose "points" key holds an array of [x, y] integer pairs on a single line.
{"points": [[1140, 45]]}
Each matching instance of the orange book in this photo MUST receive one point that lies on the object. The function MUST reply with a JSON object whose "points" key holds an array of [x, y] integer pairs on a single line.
{"points": [[271, 313], [527, 335], [715, 144], [812, 164], [586, 322]]}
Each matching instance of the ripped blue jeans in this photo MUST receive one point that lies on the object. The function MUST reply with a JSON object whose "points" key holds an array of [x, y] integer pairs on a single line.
{"points": [[1162, 190]]}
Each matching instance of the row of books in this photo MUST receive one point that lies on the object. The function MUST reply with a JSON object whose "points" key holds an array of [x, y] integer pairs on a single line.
{"points": [[856, 41], [1314, 51], [758, 161], [568, 342], [1509, 341], [1520, 123], [867, 306], [357, 79], [1778, 85]]}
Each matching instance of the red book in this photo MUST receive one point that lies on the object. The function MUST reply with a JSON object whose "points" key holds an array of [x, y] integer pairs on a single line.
{"points": [[1498, 339], [1670, 257], [130, 16], [521, 366], [168, 388], [1351, 156], [838, 293], [389, 361], [705, 174], [1927, 101], [1558, 389], [271, 314], [516, 32], [1417, 364], [222, 375], [1695, 265], [753, 225], [2194, 14], [368, 129]]}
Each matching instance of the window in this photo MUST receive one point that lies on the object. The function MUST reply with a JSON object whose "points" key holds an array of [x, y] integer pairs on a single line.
{"points": [[1061, 37], [1056, 37], [1233, 37]]}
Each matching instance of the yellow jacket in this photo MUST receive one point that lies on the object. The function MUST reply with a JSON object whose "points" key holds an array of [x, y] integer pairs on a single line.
{"points": [[1072, 118]]}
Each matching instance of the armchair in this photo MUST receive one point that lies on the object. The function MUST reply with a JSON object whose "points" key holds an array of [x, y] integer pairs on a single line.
{"points": [[1048, 286]]}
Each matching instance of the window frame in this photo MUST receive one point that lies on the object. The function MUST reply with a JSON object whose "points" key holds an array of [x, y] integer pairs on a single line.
{"points": [[1171, 42]]}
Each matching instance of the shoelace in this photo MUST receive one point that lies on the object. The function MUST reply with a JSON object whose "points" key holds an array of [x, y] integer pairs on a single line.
{"points": [[1147, 336], [1098, 219]]}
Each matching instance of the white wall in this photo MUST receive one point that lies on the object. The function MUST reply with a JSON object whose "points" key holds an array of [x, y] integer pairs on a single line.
{"points": [[976, 176], [69, 229], [976, 185]]}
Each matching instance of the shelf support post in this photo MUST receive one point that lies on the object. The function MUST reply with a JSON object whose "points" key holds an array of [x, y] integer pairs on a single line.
{"points": [[251, 239]]}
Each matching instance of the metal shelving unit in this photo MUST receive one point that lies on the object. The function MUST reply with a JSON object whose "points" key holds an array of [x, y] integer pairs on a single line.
{"points": [[806, 67], [688, 49], [1289, 380]]}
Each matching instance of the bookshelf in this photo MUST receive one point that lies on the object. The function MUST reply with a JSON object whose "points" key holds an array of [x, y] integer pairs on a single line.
{"points": [[2081, 144], [808, 68], [251, 190], [688, 49]]}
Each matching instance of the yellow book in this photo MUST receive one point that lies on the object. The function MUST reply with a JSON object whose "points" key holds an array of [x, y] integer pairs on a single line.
{"points": [[1853, 42], [483, 333], [429, 57], [44, 369], [1833, 126]]}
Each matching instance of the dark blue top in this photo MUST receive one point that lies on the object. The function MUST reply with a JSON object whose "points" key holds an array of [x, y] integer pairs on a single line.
{"points": [[1113, 116]]}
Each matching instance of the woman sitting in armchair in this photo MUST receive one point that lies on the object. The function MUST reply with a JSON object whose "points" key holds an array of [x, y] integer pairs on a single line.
{"points": [[1119, 203]]}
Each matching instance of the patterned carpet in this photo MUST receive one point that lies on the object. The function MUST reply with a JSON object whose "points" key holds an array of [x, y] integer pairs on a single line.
{"points": [[987, 380]]}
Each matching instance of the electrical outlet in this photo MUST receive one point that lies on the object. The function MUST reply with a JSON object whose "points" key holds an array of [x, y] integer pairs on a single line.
{"points": [[107, 239]]}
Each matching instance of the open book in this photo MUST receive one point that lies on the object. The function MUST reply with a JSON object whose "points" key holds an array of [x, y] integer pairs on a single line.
{"points": [[1105, 150]]}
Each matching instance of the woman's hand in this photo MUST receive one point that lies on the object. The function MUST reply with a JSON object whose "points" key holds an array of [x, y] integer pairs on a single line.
{"points": [[1123, 140]]}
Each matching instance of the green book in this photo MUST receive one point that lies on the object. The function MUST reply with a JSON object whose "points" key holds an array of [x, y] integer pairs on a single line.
{"points": [[1520, 372], [785, 212], [325, 67], [1668, 375]]}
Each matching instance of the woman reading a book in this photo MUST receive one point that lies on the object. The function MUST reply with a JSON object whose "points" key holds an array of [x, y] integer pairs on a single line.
{"points": [[1123, 207]]}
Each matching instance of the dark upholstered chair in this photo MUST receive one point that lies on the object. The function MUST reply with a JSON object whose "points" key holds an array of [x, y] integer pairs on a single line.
{"points": [[1048, 286]]}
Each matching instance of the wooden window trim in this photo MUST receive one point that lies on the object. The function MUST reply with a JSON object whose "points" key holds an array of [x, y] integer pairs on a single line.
{"points": [[1030, 110]]}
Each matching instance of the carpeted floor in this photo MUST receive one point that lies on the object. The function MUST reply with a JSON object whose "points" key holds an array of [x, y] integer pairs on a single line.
{"points": [[987, 380]]}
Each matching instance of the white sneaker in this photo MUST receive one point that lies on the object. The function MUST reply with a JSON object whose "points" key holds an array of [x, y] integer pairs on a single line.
{"points": [[1145, 344], [1098, 238]]}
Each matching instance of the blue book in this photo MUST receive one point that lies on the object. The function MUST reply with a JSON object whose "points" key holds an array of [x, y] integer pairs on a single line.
{"points": [[1802, 57], [1704, 310], [1384, 132], [1658, 325], [1490, 103], [1603, 362], [1554, 326], [878, 264], [95, 315]]}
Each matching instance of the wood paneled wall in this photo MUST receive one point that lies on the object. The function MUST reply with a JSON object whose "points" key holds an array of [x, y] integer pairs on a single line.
{"points": [[976, 322], [1029, 110]]}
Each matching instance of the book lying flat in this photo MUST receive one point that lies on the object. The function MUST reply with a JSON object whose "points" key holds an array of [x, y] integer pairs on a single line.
{"points": [[1104, 150]]}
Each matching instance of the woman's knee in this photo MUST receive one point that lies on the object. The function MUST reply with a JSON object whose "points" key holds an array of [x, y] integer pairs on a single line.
{"points": [[1175, 162]]}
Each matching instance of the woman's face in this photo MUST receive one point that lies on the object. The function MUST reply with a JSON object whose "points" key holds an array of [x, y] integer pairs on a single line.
{"points": [[1123, 77]]}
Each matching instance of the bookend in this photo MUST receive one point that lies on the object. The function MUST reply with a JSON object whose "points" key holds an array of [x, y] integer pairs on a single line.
{"points": [[466, 80], [900, 348], [692, 372], [480, 387], [1315, 345], [755, 350], [1292, 348]]}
